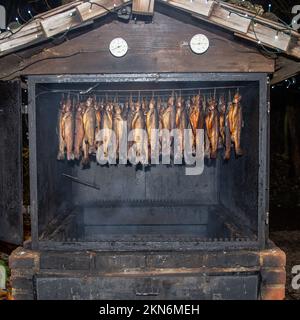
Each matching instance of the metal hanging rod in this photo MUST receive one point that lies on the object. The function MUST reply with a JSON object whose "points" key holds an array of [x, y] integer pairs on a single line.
{"points": [[169, 90], [150, 92]]}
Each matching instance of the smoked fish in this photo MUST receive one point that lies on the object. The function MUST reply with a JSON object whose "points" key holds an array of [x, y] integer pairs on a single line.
{"points": [[89, 124], [61, 151], [212, 127], [235, 118], [79, 130]]}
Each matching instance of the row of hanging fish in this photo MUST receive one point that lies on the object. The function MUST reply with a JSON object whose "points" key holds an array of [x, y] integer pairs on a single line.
{"points": [[79, 123]]}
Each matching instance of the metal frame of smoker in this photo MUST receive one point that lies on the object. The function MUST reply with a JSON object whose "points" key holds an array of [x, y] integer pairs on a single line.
{"points": [[263, 178]]}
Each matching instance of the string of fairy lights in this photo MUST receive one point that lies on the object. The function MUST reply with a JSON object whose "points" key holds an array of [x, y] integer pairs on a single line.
{"points": [[251, 16], [290, 83], [287, 29]]}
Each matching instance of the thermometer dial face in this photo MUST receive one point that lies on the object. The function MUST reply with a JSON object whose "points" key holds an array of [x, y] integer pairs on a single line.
{"points": [[118, 47], [199, 43]]}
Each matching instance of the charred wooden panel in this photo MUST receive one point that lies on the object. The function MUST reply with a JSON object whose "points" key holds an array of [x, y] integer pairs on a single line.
{"points": [[235, 175], [161, 46], [11, 223], [53, 202], [242, 287]]}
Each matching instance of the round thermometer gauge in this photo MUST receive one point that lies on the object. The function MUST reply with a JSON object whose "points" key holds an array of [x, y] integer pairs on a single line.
{"points": [[118, 47], [199, 43]]}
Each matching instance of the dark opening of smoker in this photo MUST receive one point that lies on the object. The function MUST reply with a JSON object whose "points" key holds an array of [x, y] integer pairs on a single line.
{"points": [[146, 203]]}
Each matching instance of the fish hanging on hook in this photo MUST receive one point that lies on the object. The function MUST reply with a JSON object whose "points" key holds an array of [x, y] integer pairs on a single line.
{"points": [[235, 117]]}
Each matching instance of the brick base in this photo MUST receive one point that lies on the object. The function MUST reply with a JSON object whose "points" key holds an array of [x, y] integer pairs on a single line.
{"points": [[24, 264], [270, 264], [273, 275]]}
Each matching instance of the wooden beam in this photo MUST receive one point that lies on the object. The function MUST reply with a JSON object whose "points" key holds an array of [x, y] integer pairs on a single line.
{"points": [[32, 27], [59, 9], [229, 20], [98, 8], [198, 7], [246, 24], [267, 36], [143, 7], [72, 15], [10, 44], [285, 68], [294, 47], [60, 23]]}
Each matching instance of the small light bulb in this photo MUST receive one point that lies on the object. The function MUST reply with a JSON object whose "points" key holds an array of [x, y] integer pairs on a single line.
{"points": [[276, 36], [259, 42], [229, 14]]}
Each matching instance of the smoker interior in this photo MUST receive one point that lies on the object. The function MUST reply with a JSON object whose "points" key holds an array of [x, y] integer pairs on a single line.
{"points": [[156, 203]]}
